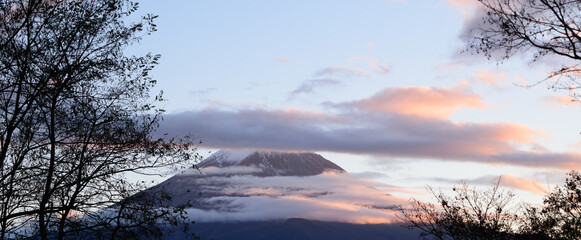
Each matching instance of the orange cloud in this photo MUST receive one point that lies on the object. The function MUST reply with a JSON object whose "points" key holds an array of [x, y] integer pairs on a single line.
{"points": [[517, 133], [529, 185], [496, 138], [424, 102]]}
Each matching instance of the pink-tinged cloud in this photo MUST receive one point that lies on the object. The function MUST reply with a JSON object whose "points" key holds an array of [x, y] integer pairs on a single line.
{"points": [[506, 180], [422, 102], [281, 59], [494, 79], [529, 185], [558, 101], [462, 3], [373, 63], [466, 7]]}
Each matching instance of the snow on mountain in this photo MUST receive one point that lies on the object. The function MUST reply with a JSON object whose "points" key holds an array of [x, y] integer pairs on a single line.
{"points": [[228, 157], [272, 163]]}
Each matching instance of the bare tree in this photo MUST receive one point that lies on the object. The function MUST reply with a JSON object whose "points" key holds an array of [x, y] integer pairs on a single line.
{"points": [[535, 27], [75, 118], [493, 214], [469, 214]]}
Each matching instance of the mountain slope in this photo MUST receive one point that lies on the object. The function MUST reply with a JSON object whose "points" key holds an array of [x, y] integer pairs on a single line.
{"points": [[275, 195]]}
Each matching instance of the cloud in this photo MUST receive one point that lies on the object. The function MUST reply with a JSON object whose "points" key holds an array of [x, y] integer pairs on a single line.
{"points": [[563, 160], [340, 71], [506, 180], [208, 171], [335, 75], [529, 185], [369, 175], [512, 181], [373, 64], [369, 126], [327, 77], [557, 101], [469, 9], [281, 59], [491, 78], [326, 197], [203, 93], [370, 46], [262, 208], [423, 102], [466, 7], [310, 85]]}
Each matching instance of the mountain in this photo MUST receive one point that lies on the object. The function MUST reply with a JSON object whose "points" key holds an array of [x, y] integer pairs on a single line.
{"points": [[281, 195], [272, 163], [218, 174]]}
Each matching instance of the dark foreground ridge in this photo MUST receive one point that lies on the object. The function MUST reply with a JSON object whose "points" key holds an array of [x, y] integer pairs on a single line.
{"points": [[298, 228]]}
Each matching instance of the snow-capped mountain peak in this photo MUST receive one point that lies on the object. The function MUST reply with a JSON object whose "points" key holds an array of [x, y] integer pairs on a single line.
{"points": [[272, 163], [232, 157]]}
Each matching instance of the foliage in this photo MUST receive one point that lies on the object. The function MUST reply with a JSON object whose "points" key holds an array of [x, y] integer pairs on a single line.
{"points": [[75, 119]]}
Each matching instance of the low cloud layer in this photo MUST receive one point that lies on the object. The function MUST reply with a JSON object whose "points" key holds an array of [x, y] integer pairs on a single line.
{"points": [[409, 122], [325, 197]]}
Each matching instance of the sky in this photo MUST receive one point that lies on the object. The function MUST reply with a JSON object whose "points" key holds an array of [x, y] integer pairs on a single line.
{"points": [[380, 87]]}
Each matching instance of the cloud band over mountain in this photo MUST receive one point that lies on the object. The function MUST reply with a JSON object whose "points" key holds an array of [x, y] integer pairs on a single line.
{"points": [[410, 122]]}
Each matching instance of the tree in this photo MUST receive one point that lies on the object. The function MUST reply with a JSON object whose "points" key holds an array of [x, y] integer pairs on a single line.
{"points": [[470, 214], [493, 214], [536, 27], [75, 118], [560, 215]]}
